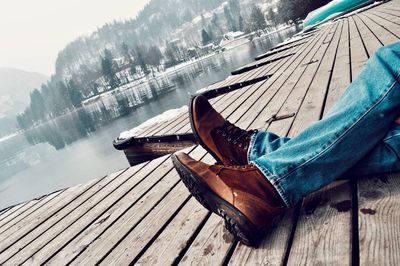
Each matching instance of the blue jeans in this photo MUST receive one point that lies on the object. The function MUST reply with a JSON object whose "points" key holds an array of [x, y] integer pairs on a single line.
{"points": [[357, 137]]}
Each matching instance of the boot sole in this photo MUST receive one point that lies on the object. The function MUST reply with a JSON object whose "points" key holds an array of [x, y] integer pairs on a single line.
{"points": [[196, 134], [235, 221]]}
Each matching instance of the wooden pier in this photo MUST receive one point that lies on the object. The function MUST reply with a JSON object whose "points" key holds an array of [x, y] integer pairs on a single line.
{"points": [[145, 215]]}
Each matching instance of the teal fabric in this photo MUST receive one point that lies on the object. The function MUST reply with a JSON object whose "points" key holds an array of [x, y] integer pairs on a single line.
{"points": [[336, 6]]}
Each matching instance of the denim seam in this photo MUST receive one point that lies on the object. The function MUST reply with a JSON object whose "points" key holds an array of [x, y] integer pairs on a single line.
{"points": [[274, 182], [379, 100], [392, 136]]}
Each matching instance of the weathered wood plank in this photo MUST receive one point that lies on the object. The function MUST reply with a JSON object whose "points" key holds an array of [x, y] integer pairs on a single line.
{"points": [[301, 87], [278, 92], [130, 210], [165, 249], [379, 219], [16, 246], [19, 210], [9, 227], [341, 75], [370, 41], [141, 235], [337, 224], [60, 233], [323, 232], [359, 56], [387, 14], [335, 247], [381, 33], [313, 104], [153, 224], [390, 27], [211, 246], [272, 249]]}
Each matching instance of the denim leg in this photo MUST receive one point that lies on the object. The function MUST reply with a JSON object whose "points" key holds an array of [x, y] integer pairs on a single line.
{"points": [[384, 158], [270, 141], [329, 148]]}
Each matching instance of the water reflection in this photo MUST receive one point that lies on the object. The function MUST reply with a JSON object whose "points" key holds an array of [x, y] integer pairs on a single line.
{"points": [[76, 147]]}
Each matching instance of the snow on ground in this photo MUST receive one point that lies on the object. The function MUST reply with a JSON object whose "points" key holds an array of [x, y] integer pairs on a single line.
{"points": [[167, 115], [8, 137]]}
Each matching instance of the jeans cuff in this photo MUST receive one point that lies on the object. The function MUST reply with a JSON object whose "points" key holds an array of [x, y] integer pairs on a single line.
{"points": [[250, 149], [273, 181]]}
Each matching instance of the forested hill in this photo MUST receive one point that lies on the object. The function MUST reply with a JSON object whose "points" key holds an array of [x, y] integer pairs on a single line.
{"points": [[165, 33], [158, 23], [15, 87]]}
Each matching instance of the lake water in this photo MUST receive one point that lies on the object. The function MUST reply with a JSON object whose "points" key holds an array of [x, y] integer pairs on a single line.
{"points": [[74, 149]]}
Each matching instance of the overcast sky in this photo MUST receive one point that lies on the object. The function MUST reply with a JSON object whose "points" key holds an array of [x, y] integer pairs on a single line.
{"points": [[32, 32]]}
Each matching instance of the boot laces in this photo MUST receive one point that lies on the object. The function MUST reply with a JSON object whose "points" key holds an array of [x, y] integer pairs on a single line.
{"points": [[236, 135]]}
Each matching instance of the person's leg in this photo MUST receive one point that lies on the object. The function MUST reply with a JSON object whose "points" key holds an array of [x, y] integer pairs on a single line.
{"points": [[384, 158], [332, 146]]}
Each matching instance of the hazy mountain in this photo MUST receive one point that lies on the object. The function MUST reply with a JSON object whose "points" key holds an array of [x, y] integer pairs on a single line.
{"points": [[15, 86]]}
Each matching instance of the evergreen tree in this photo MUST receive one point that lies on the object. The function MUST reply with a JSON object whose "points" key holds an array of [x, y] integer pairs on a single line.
{"points": [[271, 17], [210, 32], [257, 20], [140, 55], [132, 70], [75, 96], [215, 22], [203, 20], [37, 106], [206, 39], [297, 9], [229, 19], [108, 70], [241, 23], [154, 56], [234, 7], [171, 55], [126, 53]]}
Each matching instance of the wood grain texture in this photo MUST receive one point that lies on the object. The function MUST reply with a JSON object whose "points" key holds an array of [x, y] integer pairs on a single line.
{"points": [[210, 246], [323, 233], [168, 245], [379, 219], [53, 239]]}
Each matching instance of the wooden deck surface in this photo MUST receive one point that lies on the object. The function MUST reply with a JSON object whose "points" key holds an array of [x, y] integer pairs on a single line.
{"points": [[145, 215]]}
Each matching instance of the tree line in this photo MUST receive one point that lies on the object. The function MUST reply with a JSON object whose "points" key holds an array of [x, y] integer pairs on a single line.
{"points": [[81, 72]]}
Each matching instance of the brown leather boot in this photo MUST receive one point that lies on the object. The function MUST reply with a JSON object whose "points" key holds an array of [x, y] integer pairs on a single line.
{"points": [[227, 143], [241, 195]]}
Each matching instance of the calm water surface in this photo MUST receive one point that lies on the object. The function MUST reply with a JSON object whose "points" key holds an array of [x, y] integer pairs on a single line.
{"points": [[73, 149]]}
